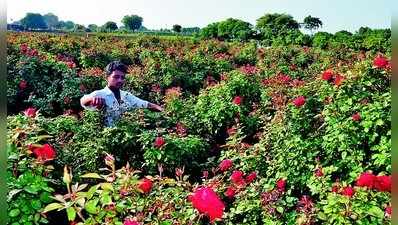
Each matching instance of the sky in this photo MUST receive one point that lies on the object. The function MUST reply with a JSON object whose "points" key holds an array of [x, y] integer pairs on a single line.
{"points": [[336, 15]]}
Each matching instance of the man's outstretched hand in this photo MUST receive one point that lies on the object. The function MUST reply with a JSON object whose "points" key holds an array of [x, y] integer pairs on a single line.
{"points": [[155, 107], [97, 102]]}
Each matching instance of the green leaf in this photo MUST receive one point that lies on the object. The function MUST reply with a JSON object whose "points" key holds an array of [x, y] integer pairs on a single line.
{"points": [[36, 204], [91, 175], [91, 191], [42, 137], [91, 206], [71, 212], [52, 206], [14, 212], [107, 186], [12, 193], [376, 211], [45, 197], [106, 199], [31, 189]]}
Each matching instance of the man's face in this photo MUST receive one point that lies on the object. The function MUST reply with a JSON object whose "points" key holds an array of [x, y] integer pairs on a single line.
{"points": [[116, 79]]}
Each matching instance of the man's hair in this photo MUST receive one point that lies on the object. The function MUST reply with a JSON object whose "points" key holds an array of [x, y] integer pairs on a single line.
{"points": [[115, 65]]}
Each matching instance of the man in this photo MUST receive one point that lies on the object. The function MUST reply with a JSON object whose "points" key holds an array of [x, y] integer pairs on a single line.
{"points": [[112, 98]]}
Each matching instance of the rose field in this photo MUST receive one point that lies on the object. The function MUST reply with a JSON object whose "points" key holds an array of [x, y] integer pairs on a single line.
{"points": [[251, 133]]}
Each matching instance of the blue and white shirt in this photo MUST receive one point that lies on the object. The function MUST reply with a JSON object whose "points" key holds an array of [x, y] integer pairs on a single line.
{"points": [[113, 110]]}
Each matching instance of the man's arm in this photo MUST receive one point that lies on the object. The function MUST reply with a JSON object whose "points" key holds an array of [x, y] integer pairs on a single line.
{"points": [[136, 102], [92, 101], [154, 107]]}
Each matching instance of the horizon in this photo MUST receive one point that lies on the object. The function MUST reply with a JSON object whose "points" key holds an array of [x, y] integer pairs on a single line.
{"points": [[336, 15]]}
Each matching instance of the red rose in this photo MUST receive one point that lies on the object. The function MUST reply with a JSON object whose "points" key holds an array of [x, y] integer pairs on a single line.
{"points": [[318, 172], [237, 177], [383, 183], [22, 84], [381, 62], [327, 75], [299, 101], [23, 48], [335, 188], [348, 191], [230, 193], [388, 211], [281, 184], [130, 222], [356, 117], [338, 80], [159, 142], [44, 153], [251, 177], [145, 185], [205, 174], [231, 131], [237, 100], [225, 165], [206, 201], [366, 180], [30, 112]]}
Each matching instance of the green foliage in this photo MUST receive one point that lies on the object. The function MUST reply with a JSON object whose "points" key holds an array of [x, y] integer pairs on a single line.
{"points": [[110, 26], [312, 23], [132, 22], [365, 207], [230, 29], [33, 21], [178, 152]]}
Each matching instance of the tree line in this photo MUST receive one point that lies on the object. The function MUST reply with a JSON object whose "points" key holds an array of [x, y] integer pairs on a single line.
{"points": [[49, 21]]}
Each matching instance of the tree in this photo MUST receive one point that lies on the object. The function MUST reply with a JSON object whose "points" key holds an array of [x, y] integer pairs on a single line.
{"points": [[51, 20], [230, 29], [33, 21], [190, 30], [132, 22], [177, 28], [312, 23], [276, 24], [235, 29], [210, 31], [110, 26], [92, 27], [79, 28], [69, 25]]}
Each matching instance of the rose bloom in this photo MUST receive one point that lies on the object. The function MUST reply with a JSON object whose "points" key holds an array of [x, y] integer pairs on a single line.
{"points": [[237, 100], [23, 84], [230, 192], [44, 153], [30, 112], [348, 191], [338, 80], [206, 201], [281, 184], [318, 172], [145, 185], [130, 222], [388, 211], [356, 117], [381, 62], [251, 177], [366, 180], [237, 177], [327, 75], [383, 183], [225, 164], [299, 101], [159, 142]]}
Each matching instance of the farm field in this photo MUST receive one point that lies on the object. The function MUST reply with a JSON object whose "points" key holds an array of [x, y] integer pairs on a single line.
{"points": [[250, 133]]}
